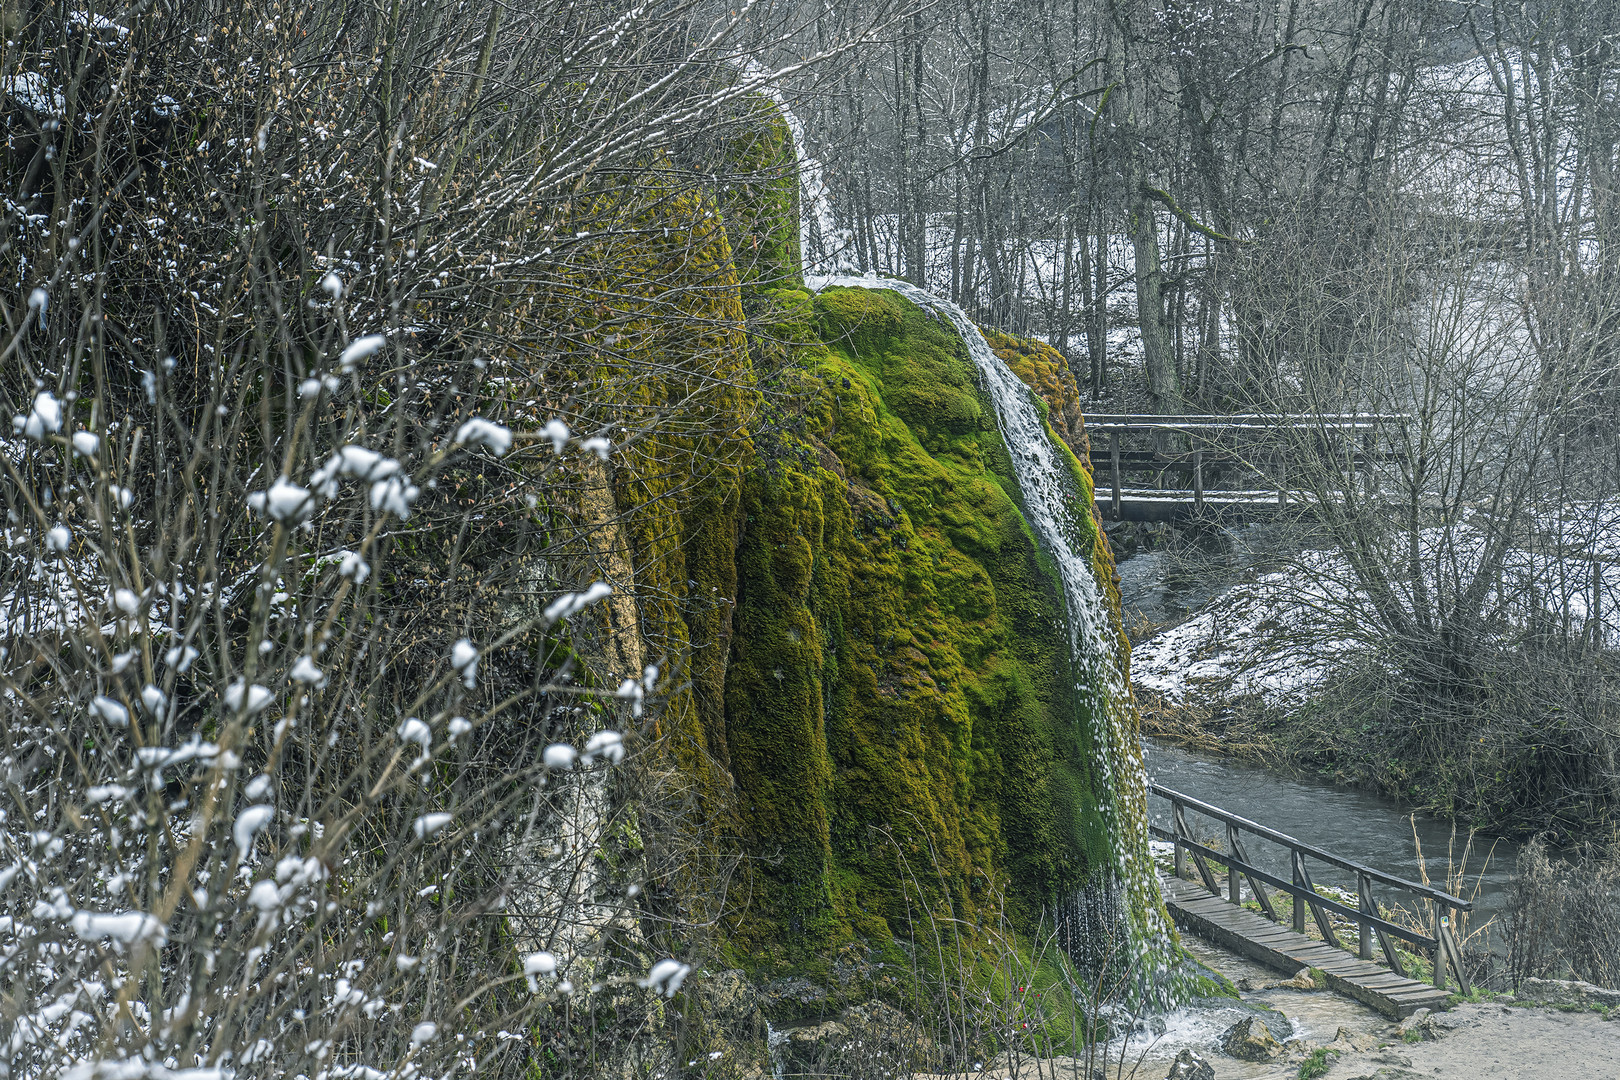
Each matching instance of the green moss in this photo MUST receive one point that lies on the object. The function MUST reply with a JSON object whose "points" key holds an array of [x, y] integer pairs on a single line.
{"points": [[873, 698], [905, 734], [760, 200]]}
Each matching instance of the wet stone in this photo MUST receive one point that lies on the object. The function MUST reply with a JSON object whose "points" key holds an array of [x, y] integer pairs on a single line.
{"points": [[1250, 1040], [1189, 1066]]}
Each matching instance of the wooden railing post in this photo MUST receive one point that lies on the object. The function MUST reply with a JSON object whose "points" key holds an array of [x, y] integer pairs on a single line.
{"points": [[1179, 826], [1234, 880], [1447, 941], [1441, 926], [1366, 465], [1198, 483], [1299, 883], [1364, 928]]}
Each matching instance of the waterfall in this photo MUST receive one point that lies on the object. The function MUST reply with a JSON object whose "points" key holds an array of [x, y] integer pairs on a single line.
{"points": [[822, 243], [1051, 498]]}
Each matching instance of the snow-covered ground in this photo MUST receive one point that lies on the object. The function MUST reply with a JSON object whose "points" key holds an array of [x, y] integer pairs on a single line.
{"points": [[1281, 636], [1258, 639]]}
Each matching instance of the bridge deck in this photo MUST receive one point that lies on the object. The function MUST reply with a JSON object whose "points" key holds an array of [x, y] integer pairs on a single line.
{"points": [[1244, 932], [1151, 504]]}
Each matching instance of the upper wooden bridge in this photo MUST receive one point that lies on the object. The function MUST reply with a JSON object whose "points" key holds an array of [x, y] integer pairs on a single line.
{"points": [[1210, 905], [1196, 448]]}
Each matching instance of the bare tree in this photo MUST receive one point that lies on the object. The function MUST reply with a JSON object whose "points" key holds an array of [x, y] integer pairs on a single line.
{"points": [[351, 352]]}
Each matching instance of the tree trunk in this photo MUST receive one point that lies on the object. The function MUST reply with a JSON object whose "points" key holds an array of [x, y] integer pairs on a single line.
{"points": [[1158, 357]]}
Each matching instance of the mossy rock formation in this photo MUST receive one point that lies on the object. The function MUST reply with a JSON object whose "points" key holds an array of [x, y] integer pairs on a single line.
{"points": [[877, 700], [899, 701]]}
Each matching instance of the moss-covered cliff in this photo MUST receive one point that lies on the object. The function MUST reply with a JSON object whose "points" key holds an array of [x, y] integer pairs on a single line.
{"points": [[899, 686], [874, 697]]}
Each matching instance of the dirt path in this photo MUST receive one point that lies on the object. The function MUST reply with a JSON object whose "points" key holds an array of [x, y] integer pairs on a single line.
{"points": [[1469, 1042], [1487, 1042]]}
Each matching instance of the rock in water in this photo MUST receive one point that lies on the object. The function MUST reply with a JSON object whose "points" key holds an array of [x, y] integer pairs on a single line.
{"points": [[1250, 1040], [1189, 1066]]}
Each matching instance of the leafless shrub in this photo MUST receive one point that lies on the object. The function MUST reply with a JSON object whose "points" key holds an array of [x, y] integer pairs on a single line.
{"points": [[1564, 918], [327, 725]]}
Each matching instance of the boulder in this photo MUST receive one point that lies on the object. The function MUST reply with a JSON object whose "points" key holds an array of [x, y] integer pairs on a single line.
{"points": [[1349, 1040], [1250, 1040], [1416, 1027], [1189, 1066]]}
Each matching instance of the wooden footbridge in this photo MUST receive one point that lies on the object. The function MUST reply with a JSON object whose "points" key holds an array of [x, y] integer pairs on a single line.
{"points": [[1211, 906], [1198, 448]]}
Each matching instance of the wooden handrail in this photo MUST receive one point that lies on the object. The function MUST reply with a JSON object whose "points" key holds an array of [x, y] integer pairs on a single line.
{"points": [[1367, 915], [1309, 849], [1298, 891]]}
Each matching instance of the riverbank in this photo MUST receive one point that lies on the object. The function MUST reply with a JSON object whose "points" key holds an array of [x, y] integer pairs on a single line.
{"points": [[1248, 645], [1324, 1036]]}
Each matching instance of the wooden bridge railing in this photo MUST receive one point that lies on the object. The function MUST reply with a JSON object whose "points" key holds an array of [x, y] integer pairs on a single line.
{"points": [[1369, 917], [1212, 441]]}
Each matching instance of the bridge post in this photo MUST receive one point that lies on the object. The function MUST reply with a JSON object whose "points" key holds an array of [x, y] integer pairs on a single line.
{"points": [[1299, 901], [1113, 450], [1441, 927], [1366, 465], [1364, 929], [1198, 485]]}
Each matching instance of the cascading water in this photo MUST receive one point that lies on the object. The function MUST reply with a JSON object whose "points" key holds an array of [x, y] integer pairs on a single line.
{"points": [[822, 243], [1126, 892], [1051, 498]]}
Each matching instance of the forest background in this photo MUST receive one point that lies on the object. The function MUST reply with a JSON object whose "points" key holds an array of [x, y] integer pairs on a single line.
{"points": [[286, 279]]}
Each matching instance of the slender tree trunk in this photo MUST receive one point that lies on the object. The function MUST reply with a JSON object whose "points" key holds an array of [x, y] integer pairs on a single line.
{"points": [[1097, 308], [1158, 357]]}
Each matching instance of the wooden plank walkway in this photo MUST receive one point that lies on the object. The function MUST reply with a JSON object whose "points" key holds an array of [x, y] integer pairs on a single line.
{"points": [[1249, 934]]}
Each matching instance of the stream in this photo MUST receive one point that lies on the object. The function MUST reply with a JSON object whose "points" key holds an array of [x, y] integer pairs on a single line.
{"points": [[1357, 825]]}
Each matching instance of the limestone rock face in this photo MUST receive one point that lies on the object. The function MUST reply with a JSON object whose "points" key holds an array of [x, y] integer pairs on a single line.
{"points": [[1190, 1066], [736, 1007], [1250, 1040]]}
